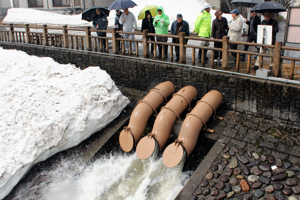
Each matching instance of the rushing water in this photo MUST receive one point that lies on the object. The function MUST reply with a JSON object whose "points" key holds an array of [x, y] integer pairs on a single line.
{"points": [[110, 178]]}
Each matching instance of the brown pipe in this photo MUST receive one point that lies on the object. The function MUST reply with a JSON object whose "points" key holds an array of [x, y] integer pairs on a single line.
{"points": [[164, 122], [131, 134], [191, 127]]}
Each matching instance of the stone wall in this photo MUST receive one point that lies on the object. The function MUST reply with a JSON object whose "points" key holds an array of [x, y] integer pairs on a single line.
{"points": [[273, 100]]}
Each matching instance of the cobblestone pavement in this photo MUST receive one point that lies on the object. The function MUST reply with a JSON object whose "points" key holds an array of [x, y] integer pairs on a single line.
{"points": [[260, 160]]}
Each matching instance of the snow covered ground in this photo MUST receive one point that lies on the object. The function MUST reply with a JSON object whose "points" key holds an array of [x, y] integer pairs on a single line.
{"points": [[47, 107]]}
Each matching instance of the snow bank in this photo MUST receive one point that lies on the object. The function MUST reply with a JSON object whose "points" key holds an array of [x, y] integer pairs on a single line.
{"points": [[46, 108]]}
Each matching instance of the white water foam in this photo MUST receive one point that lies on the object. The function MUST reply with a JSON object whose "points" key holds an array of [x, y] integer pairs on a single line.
{"points": [[115, 177]]}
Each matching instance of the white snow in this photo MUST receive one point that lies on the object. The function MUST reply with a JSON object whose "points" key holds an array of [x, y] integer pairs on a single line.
{"points": [[47, 107]]}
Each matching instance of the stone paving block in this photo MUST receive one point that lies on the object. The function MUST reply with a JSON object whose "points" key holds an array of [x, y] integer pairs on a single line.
{"points": [[282, 156], [283, 148], [230, 132], [252, 136], [240, 144], [295, 150]]}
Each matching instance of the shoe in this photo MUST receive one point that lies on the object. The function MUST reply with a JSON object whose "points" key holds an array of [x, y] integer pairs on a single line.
{"points": [[159, 56], [126, 52], [233, 63], [133, 52], [221, 60], [255, 56], [255, 67], [215, 61], [166, 56], [177, 59]]}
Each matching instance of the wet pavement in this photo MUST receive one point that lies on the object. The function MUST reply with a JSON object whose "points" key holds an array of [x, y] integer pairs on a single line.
{"points": [[254, 158]]}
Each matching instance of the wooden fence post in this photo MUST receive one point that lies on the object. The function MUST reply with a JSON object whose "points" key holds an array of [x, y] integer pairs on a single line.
{"points": [[182, 49], [88, 38], [27, 39], [225, 56], [65, 37], [114, 41], [145, 43], [45, 36], [277, 60], [11, 33]]}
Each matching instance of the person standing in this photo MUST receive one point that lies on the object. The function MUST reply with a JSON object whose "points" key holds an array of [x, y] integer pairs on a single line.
{"points": [[178, 26], [147, 23], [127, 19], [100, 22], [272, 22], [252, 33], [203, 27], [235, 31], [118, 26], [161, 23], [218, 31]]}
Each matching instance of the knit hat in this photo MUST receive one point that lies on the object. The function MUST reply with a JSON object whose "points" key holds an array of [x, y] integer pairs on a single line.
{"points": [[205, 6], [179, 16], [236, 11], [217, 13]]}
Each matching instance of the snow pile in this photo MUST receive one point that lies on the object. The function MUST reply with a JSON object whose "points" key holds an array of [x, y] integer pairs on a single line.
{"points": [[190, 11], [46, 108]]}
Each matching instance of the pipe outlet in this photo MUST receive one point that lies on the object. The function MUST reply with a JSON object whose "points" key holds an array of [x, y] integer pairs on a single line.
{"points": [[164, 122], [191, 127], [132, 133]]}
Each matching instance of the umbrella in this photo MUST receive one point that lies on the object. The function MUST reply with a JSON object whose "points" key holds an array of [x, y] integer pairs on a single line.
{"points": [[268, 7], [152, 10], [89, 14], [121, 4], [246, 3]]}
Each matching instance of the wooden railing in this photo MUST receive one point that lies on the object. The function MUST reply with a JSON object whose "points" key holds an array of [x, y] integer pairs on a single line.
{"points": [[85, 38]]}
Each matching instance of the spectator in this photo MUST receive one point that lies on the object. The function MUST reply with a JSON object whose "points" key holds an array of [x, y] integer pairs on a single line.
{"points": [[129, 25], [219, 30], [235, 31], [100, 23], [272, 22], [203, 27], [161, 23], [118, 26], [178, 26], [147, 23], [252, 33]]}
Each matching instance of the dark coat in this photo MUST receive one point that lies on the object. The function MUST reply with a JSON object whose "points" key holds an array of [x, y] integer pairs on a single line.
{"points": [[146, 24], [184, 28], [256, 22], [118, 26], [100, 20], [219, 28], [274, 24]]}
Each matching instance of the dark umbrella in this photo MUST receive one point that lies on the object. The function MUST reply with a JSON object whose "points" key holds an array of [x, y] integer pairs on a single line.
{"points": [[246, 3], [121, 4], [89, 14], [271, 7]]}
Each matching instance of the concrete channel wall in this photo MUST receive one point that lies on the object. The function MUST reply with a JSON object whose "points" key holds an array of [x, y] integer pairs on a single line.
{"points": [[265, 98]]}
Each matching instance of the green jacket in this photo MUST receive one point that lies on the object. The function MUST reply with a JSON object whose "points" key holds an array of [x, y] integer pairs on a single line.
{"points": [[203, 24], [162, 26]]}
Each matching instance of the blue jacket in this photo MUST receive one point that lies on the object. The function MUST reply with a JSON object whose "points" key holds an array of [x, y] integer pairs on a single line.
{"points": [[184, 28]]}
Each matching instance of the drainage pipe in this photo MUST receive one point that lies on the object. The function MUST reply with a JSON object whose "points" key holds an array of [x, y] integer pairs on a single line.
{"points": [[156, 140], [190, 129], [132, 133]]}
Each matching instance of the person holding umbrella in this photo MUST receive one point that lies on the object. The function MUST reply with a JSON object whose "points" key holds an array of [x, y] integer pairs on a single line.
{"points": [[127, 19], [100, 22], [118, 26], [272, 22], [252, 33], [161, 23], [147, 23], [219, 29], [178, 26]]}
